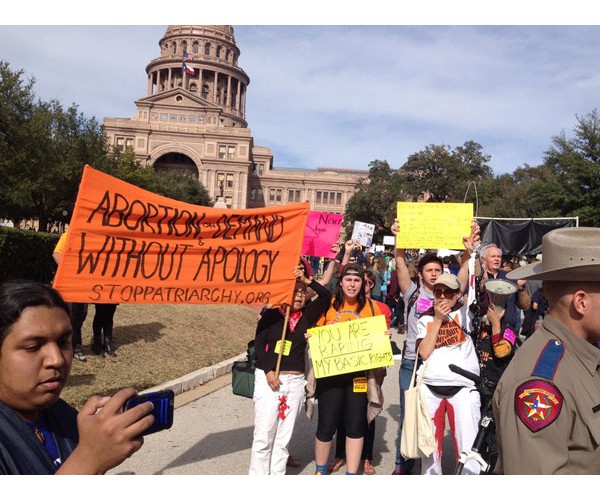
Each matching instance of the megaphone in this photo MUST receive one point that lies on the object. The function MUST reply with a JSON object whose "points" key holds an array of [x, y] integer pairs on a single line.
{"points": [[499, 291]]}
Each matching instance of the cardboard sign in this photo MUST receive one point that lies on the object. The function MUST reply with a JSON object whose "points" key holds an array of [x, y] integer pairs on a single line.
{"points": [[350, 346], [126, 244], [322, 231], [363, 233], [433, 225]]}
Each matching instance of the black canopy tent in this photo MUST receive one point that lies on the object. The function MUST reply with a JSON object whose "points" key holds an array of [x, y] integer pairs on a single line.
{"points": [[520, 236]]}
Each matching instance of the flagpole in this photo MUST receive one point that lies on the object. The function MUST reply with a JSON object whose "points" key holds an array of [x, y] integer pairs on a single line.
{"points": [[285, 324]]}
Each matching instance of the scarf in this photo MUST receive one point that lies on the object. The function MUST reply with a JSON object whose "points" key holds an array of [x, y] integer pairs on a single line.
{"points": [[293, 319]]}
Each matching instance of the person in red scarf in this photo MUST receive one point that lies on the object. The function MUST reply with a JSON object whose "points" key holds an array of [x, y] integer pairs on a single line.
{"points": [[279, 399]]}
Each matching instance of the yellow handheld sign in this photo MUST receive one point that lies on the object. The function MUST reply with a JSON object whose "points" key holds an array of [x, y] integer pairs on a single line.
{"points": [[433, 225], [350, 346]]}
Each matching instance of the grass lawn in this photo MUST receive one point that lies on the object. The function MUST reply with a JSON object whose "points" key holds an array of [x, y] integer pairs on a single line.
{"points": [[158, 343]]}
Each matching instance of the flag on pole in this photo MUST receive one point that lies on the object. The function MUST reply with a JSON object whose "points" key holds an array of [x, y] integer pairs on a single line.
{"points": [[189, 70], [188, 57]]}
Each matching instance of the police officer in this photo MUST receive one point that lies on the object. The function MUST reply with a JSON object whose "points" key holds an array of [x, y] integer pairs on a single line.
{"points": [[547, 403]]}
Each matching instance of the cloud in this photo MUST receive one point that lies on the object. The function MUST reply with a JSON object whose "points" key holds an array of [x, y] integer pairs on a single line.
{"points": [[346, 95]]}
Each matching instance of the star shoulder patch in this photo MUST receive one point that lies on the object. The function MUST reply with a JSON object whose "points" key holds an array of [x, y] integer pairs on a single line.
{"points": [[538, 403]]}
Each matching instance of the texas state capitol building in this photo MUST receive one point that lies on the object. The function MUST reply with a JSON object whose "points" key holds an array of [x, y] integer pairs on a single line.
{"points": [[193, 120]]}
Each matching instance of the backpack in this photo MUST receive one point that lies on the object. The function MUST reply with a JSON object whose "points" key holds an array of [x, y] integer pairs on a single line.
{"points": [[411, 301]]}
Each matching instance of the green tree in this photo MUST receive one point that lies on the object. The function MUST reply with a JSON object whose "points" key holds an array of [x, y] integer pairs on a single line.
{"points": [[43, 151], [44, 147], [375, 200], [440, 174], [17, 107], [174, 185], [575, 163], [513, 195], [181, 187]]}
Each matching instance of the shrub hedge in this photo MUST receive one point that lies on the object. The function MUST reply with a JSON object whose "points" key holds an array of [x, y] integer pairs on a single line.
{"points": [[27, 255]]}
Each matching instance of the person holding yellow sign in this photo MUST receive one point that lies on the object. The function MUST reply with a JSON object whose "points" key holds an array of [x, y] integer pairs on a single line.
{"points": [[344, 398], [278, 397], [418, 298]]}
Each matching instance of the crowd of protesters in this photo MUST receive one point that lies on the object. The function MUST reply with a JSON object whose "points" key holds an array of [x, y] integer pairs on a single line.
{"points": [[537, 350]]}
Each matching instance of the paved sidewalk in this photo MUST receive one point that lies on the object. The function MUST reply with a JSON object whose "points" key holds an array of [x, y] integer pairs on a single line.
{"points": [[212, 429]]}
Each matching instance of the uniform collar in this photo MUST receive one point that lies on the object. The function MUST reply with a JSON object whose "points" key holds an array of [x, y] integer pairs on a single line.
{"points": [[587, 353]]}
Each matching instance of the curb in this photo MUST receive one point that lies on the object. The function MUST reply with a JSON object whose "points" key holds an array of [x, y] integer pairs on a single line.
{"points": [[199, 377]]}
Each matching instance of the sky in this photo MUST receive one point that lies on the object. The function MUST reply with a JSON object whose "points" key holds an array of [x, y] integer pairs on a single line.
{"points": [[343, 91]]}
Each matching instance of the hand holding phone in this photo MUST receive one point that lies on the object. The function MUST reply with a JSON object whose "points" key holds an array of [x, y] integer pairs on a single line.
{"points": [[164, 405]]}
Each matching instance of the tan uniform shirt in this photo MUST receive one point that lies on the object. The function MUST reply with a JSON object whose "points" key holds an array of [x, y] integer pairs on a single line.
{"points": [[558, 430]]}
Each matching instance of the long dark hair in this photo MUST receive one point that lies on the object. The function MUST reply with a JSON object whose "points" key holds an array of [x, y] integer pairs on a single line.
{"points": [[18, 295], [338, 300]]}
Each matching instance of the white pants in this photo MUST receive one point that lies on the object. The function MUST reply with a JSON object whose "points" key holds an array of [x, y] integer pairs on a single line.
{"points": [[272, 434], [463, 412]]}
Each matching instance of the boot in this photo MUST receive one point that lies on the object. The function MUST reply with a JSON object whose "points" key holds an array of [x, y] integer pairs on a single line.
{"points": [[108, 346], [96, 346]]}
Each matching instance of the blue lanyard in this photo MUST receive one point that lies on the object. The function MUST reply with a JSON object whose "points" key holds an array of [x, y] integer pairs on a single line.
{"points": [[45, 436]]}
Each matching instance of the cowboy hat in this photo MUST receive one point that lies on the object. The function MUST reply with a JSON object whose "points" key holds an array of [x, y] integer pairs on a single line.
{"points": [[569, 254]]}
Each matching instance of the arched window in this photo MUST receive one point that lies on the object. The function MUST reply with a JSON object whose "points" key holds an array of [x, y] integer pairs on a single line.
{"points": [[193, 87], [195, 47], [218, 51], [207, 49], [184, 46], [174, 47]]}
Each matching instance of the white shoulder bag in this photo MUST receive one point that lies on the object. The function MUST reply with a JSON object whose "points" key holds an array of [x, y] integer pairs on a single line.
{"points": [[418, 440]]}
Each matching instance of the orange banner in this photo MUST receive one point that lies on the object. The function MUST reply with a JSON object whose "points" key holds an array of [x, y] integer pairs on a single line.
{"points": [[125, 244]]}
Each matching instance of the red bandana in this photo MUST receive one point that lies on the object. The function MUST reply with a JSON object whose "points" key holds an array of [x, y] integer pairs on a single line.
{"points": [[293, 320]]}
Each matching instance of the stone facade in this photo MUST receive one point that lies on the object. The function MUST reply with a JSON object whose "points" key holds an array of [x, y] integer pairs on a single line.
{"points": [[193, 120]]}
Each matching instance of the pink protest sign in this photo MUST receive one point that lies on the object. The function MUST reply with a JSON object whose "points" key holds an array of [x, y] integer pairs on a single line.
{"points": [[322, 231]]}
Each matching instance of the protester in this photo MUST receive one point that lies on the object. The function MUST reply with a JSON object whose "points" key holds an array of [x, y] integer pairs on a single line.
{"points": [[340, 442], [379, 269], [39, 432], [103, 324], [340, 400], [443, 339], [417, 292], [546, 403], [451, 264], [78, 310], [278, 396], [491, 258], [394, 299], [537, 308]]}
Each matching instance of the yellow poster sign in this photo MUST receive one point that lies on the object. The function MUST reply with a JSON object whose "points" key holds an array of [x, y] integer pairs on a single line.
{"points": [[433, 225], [350, 346]]}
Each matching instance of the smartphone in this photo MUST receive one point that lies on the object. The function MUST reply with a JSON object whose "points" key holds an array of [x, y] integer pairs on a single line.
{"points": [[164, 405]]}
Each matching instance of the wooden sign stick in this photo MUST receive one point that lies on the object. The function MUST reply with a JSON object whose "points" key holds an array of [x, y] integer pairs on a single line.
{"points": [[285, 324]]}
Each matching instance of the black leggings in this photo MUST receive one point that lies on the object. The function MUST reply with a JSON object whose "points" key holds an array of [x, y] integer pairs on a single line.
{"points": [[340, 405], [103, 320], [367, 451]]}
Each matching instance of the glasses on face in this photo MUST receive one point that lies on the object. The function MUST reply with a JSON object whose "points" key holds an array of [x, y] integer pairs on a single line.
{"points": [[446, 292], [299, 291]]}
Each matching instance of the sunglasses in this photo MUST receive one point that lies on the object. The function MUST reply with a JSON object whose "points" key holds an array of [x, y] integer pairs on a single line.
{"points": [[446, 292]]}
